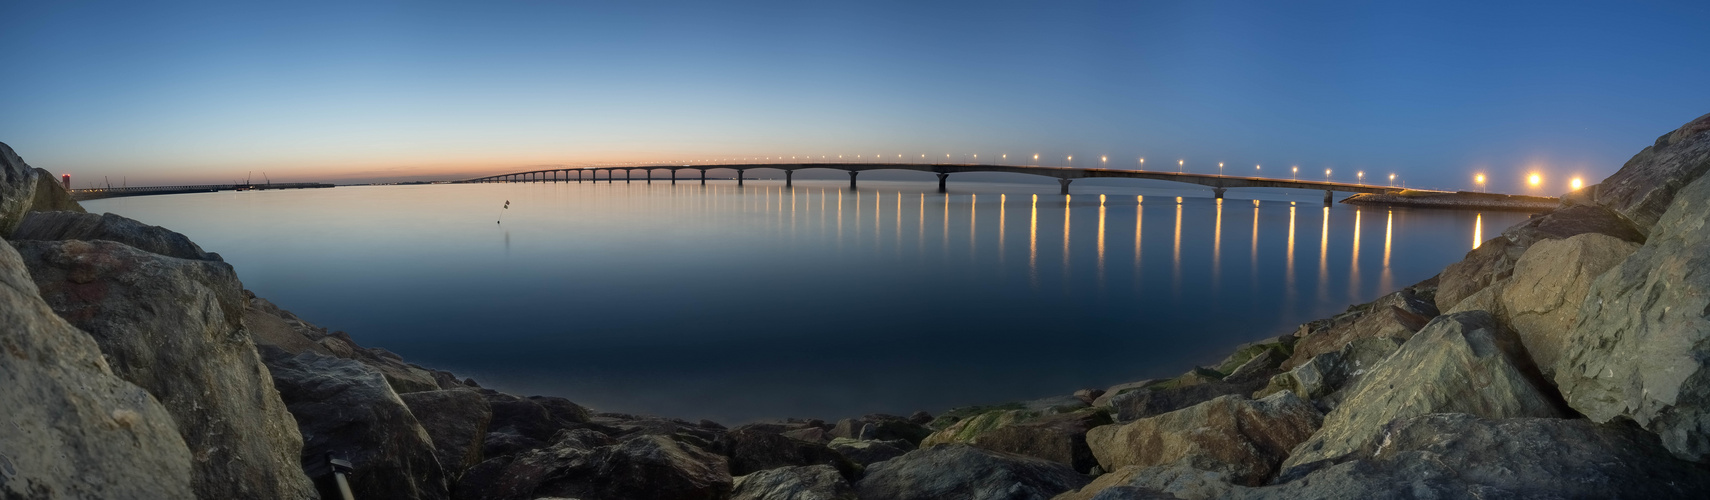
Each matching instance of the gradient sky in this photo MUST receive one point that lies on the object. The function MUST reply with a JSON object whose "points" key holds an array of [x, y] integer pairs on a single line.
{"points": [[359, 91]]}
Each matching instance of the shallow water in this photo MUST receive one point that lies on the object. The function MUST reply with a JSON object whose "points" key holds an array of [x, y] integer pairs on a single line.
{"points": [[738, 303]]}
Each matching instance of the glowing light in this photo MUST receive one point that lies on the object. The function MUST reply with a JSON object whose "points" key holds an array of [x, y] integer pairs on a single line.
{"points": [[1535, 180], [1577, 183], [1104, 158]]}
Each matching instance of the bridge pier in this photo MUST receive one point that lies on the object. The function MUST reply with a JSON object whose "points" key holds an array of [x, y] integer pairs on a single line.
{"points": [[941, 178], [626, 176], [1218, 192], [578, 176], [1329, 197], [739, 177], [852, 179], [1065, 183], [650, 176], [788, 174], [673, 176], [703, 177]]}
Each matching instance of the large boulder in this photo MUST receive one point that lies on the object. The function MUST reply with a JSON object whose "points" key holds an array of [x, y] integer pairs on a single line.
{"points": [[1325, 378], [70, 428], [1194, 387], [1060, 438], [962, 471], [1241, 437], [175, 327], [870, 452], [585, 467], [24, 189], [812, 482], [1642, 341], [752, 451], [457, 421], [1460, 363], [1494, 260], [883, 427], [1462, 456], [1174, 481], [58, 226], [1394, 316], [1541, 302], [345, 409], [1646, 185]]}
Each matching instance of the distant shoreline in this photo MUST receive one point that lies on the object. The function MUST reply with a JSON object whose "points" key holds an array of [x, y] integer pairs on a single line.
{"points": [[1461, 200]]}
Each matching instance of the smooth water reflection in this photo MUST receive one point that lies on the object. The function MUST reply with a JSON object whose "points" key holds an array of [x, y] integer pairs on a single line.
{"points": [[737, 303]]}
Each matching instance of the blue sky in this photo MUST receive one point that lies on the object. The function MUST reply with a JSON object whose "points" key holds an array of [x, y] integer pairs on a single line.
{"points": [[204, 92]]}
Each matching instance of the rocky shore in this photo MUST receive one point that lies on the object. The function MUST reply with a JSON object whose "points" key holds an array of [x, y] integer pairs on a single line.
{"points": [[1564, 358], [1459, 200]]}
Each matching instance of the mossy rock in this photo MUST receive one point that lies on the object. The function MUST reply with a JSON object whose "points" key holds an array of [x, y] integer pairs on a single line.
{"points": [[1247, 352], [1196, 376], [954, 415]]}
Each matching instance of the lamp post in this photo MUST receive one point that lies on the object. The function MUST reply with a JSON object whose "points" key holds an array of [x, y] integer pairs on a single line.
{"points": [[1296, 173]]}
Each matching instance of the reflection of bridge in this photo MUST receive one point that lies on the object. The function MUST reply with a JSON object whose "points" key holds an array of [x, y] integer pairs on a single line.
{"points": [[1064, 175]]}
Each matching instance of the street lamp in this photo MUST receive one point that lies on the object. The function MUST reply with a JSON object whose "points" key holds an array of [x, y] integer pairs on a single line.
{"points": [[1179, 166], [1577, 183], [1479, 179], [1326, 175], [1220, 169], [1142, 164], [1391, 180], [1535, 180], [1296, 172], [1362, 176]]}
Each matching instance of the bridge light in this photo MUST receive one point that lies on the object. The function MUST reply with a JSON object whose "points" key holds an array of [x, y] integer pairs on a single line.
{"points": [[1577, 183], [1104, 158], [1535, 180]]}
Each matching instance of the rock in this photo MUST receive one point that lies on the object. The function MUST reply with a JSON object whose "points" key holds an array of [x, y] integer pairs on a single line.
{"points": [[813, 482], [1117, 390], [1059, 437], [1244, 438], [1541, 302], [267, 327], [751, 451], [920, 418], [1325, 377], [962, 471], [529, 418], [1460, 363], [867, 453], [646, 466], [24, 189], [809, 434], [70, 428], [1642, 340], [78, 225], [627, 426], [345, 408], [279, 328], [1494, 260], [1646, 185], [1462, 456], [175, 328], [880, 427], [1397, 316], [1195, 387], [1160, 482], [456, 421], [1085, 395]]}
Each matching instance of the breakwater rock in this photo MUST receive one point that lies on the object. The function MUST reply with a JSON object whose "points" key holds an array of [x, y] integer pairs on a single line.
{"points": [[1565, 357]]}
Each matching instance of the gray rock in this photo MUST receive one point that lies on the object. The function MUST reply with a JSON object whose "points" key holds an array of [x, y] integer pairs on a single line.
{"points": [[1462, 456], [626, 426], [1195, 387], [751, 451], [646, 466], [884, 427], [175, 327], [1642, 340], [1161, 481], [1494, 260], [345, 408], [1103, 400], [813, 482], [1541, 302], [962, 471], [24, 189], [1396, 316], [1243, 438], [60, 226], [1645, 186], [1060, 437], [1462, 363], [1326, 377], [457, 421], [70, 428], [868, 453]]}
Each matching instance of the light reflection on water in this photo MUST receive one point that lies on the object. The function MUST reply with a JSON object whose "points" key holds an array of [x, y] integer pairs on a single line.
{"points": [[759, 301]]}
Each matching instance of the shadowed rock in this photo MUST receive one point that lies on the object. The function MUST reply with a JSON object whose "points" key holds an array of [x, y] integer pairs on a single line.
{"points": [[962, 471], [58, 226], [813, 482], [868, 453], [752, 451], [175, 327], [69, 427], [647, 466], [1243, 438], [457, 421], [1395, 316], [1059, 438], [1326, 378], [1642, 341], [24, 189], [1645, 186]]}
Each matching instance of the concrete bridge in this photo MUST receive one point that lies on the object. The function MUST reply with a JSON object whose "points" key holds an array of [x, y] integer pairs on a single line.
{"points": [[1064, 175]]}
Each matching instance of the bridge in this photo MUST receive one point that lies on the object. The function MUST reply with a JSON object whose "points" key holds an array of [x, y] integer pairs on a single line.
{"points": [[1064, 175], [115, 192]]}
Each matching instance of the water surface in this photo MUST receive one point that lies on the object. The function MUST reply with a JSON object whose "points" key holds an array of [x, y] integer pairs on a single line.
{"points": [[737, 303]]}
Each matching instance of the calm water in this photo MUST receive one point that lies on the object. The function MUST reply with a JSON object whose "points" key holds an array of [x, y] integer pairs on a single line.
{"points": [[743, 303]]}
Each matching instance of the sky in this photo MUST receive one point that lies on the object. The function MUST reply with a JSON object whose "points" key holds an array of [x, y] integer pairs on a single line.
{"points": [[156, 93]]}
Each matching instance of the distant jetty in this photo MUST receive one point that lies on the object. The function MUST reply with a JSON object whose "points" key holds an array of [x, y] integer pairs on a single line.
{"points": [[113, 192], [1457, 200]]}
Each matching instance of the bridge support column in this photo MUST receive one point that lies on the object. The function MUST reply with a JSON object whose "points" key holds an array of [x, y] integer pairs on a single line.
{"points": [[626, 176], [650, 176], [941, 178], [578, 176], [1065, 183], [739, 177], [788, 178], [1218, 192], [852, 179], [673, 176], [1329, 197], [703, 177]]}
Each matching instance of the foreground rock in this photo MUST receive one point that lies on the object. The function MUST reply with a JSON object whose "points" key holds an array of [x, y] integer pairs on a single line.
{"points": [[59, 226], [174, 327], [1060, 438], [1645, 186], [24, 189], [1243, 438], [1494, 260], [1395, 316], [867, 453], [583, 466], [278, 328], [753, 451], [1326, 378], [1541, 302], [1460, 363], [962, 471], [1642, 340], [457, 421], [70, 428], [345, 409], [815, 482]]}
